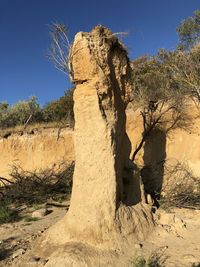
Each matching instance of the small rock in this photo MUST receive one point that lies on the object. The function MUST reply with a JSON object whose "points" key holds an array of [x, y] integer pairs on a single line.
{"points": [[39, 260], [23, 207], [149, 200], [138, 246], [18, 252], [34, 259], [39, 213]]}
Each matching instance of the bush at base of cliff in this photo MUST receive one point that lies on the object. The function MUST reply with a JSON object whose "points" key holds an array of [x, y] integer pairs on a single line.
{"points": [[38, 186]]}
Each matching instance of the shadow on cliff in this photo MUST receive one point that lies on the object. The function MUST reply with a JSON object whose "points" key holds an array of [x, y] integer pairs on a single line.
{"points": [[154, 159]]}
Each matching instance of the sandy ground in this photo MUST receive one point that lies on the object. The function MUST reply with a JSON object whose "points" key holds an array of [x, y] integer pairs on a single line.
{"points": [[16, 239], [176, 240], [174, 243]]}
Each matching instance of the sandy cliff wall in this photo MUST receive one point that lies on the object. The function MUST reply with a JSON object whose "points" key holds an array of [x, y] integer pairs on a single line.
{"points": [[39, 150], [44, 149], [177, 146]]}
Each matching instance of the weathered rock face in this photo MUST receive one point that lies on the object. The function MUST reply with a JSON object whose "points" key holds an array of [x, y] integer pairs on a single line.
{"points": [[36, 151], [100, 70], [104, 211]]}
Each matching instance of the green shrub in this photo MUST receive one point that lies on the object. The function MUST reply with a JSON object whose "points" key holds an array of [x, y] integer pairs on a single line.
{"points": [[61, 109], [7, 214], [29, 111], [30, 219], [20, 113], [138, 262], [156, 259]]}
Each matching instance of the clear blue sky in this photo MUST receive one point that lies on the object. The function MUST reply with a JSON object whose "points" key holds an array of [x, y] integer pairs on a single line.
{"points": [[24, 37]]}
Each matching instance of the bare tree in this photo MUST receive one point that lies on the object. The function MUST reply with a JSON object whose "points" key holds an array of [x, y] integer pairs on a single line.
{"points": [[163, 114], [60, 45], [161, 100]]}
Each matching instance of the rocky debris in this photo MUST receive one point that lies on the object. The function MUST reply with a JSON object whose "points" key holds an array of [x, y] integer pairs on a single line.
{"points": [[21, 235], [162, 243], [37, 261], [165, 218], [170, 223], [18, 253], [40, 213], [138, 246]]}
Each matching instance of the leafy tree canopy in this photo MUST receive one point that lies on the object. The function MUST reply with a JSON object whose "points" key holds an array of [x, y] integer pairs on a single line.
{"points": [[189, 31]]}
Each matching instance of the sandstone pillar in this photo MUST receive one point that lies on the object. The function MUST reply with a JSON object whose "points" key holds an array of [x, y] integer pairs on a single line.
{"points": [[104, 212]]}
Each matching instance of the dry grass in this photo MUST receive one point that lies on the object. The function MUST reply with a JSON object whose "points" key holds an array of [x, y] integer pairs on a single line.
{"points": [[156, 259], [21, 129], [37, 187], [182, 187]]}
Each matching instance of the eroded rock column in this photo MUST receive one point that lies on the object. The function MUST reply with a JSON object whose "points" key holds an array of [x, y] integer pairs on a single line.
{"points": [[102, 212], [99, 65]]}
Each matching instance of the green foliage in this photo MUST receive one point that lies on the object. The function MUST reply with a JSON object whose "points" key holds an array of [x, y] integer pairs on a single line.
{"points": [[6, 213], [149, 80], [138, 262], [189, 31], [155, 78], [163, 87], [156, 259], [29, 111], [19, 113], [30, 219], [170, 76], [3, 106], [184, 70], [61, 109]]}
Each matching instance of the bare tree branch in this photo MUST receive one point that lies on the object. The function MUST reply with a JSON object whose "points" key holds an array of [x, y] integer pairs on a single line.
{"points": [[60, 45]]}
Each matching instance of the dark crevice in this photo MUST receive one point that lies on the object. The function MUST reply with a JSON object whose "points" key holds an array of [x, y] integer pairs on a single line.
{"points": [[80, 81]]}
